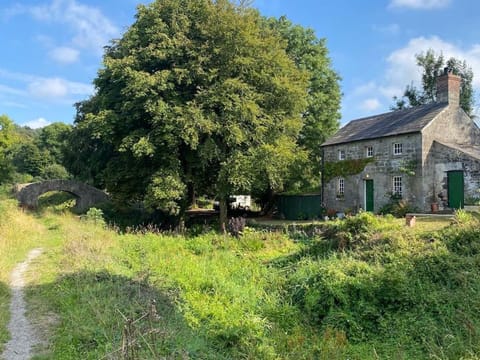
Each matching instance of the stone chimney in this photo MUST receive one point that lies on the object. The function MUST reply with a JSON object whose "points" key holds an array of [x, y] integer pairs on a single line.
{"points": [[448, 87]]}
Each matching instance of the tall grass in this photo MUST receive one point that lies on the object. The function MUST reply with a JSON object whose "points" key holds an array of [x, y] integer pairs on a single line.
{"points": [[369, 288], [19, 233], [213, 293]]}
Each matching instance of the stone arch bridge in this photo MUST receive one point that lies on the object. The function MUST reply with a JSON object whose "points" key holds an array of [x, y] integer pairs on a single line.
{"points": [[86, 196]]}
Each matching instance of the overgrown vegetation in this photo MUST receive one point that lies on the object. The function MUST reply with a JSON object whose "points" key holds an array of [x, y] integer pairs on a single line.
{"points": [[397, 207], [360, 288]]}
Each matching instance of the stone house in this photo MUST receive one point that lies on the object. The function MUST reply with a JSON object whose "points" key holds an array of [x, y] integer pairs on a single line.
{"points": [[428, 154]]}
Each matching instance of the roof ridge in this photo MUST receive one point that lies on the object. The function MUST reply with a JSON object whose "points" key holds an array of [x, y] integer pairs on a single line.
{"points": [[397, 111], [391, 123]]}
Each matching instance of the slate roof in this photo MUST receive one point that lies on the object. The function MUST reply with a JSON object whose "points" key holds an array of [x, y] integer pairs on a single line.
{"points": [[388, 124]]}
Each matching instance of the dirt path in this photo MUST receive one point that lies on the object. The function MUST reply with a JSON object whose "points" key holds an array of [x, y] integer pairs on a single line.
{"points": [[23, 335]]}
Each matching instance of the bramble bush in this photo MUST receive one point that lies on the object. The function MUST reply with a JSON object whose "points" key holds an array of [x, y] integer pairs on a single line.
{"points": [[386, 286]]}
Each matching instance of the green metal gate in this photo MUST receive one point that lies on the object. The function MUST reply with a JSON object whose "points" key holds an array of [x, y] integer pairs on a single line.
{"points": [[455, 189], [300, 207], [369, 205]]}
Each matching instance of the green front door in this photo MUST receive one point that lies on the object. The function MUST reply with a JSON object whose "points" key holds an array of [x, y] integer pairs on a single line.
{"points": [[455, 189], [369, 195]]}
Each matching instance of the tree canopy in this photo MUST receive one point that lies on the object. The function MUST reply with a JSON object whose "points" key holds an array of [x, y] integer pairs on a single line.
{"points": [[201, 97], [8, 138], [432, 65], [321, 115], [28, 155]]}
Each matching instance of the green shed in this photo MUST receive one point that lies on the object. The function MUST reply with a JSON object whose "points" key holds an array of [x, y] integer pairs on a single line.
{"points": [[300, 207]]}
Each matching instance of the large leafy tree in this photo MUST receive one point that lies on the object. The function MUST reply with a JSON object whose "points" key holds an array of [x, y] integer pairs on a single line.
{"points": [[37, 154], [322, 114], [198, 95], [53, 138], [8, 139], [29, 159], [432, 65]]}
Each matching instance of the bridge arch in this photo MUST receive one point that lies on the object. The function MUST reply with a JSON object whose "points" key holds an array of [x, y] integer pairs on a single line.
{"points": [[86, 196]]}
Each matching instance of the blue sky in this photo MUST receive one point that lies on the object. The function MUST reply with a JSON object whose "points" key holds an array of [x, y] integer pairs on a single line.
{"points": [[52, 49]]}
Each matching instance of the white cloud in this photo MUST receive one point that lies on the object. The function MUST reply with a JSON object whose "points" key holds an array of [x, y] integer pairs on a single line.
{"points": [[420, 4], [46, 88], [57, 88], [90, 28], [402, 67], [370, 104], [37, 123], [401, 70], [64, 55]]}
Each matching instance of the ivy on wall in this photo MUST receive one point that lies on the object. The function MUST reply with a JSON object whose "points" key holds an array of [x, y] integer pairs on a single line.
{"points": [[408, 167], [344, 168]]}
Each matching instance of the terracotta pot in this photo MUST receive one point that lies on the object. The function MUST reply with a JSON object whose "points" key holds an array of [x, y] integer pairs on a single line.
{"points": [[434, 207]]}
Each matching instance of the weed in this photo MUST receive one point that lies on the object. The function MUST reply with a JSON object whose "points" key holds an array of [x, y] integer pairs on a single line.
{"points": [[236, 225]]}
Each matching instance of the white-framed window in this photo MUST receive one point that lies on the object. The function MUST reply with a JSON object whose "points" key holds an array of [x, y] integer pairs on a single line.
{"points": [[369, 151], [397, 188], [341, 154], [397, 149], [341, 187]]}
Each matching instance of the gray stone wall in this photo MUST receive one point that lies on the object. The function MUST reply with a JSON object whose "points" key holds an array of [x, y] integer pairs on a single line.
{"points": [[446, 159], [450, 126], [381, 171]]}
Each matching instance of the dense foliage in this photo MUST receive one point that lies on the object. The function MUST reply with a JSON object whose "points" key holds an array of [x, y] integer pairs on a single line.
{"points": [[32, 154], [205, 97], [432, 65]]}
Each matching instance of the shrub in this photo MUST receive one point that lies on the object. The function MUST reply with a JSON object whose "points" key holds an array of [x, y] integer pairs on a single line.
{"points": [[397, 207], [54, 171], [95, 216], [463, 217], [356, 230]]}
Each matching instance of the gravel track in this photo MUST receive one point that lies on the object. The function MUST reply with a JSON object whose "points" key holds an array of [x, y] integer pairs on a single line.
{"points": [[23, 336]]}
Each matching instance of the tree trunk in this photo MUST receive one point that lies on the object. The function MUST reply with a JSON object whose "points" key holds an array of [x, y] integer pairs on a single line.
{"points": [[223, 214], [269, 202], [192, 199]]}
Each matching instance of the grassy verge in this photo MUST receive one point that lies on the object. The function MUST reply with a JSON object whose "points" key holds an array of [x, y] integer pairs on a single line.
{"points": [[19, 232]]}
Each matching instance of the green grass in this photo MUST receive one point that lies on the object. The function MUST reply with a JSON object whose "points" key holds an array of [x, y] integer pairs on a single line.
{"points": [[19, 233], [369, 288]]}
